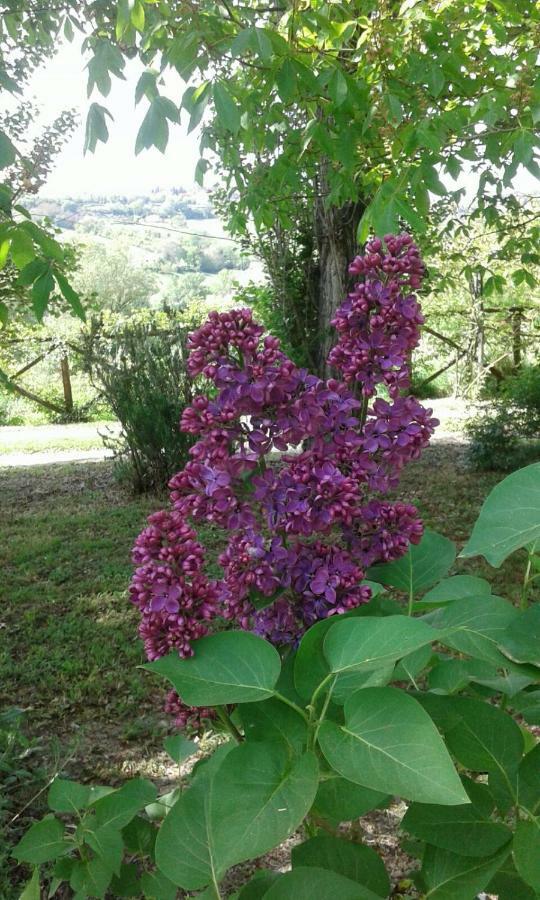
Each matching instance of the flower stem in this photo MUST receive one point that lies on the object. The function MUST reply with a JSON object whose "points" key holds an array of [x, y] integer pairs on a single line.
{"points": [[323, 711], [228, 724], [526, 582], [290, 703]]}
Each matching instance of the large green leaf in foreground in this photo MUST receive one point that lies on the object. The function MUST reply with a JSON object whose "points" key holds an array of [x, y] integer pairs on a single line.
{"points": [[509, 518], [366, 644], [423, 564], [390, 744], [235, 811], [228, 667], [449, 876]]}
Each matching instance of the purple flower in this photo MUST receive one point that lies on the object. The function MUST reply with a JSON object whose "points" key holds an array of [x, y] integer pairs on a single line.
{"points": [[301, 529]]}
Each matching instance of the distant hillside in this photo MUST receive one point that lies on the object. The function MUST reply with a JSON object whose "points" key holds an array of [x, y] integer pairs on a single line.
{"points": [[177, 204]]}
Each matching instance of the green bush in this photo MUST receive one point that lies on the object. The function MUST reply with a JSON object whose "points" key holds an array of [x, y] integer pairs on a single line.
{"points": [[506, 435], [140, 369]]}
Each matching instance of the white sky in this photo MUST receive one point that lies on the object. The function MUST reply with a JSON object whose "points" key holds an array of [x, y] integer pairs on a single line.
{"points": [[114, 168]]}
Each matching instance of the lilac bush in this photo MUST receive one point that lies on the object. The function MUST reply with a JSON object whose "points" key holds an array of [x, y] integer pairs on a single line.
{"points": [[293, 469]]}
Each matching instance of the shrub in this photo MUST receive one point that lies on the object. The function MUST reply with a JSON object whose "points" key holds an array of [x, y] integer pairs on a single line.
{"points": [[140, 368], [506, 434]]}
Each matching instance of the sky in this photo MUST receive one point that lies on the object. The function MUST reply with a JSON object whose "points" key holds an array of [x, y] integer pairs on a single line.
{"points": [[114, 168]]}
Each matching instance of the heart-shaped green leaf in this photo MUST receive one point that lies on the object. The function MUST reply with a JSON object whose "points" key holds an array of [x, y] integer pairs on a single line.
{"points": [[390, 744], [228, 667]]}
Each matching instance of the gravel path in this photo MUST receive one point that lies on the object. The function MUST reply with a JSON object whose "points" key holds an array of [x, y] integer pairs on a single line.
{"points": [[38, 445]]}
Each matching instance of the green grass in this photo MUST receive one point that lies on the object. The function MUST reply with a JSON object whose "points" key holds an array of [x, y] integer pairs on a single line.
{"points": [[70, 648], [70, 642]]}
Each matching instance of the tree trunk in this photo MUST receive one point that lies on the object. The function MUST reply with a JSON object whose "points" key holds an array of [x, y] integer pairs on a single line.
{"points": [[335, 230]]}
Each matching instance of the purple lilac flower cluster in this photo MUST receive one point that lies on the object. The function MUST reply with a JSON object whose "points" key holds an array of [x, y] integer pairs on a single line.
{"points": [[378, 325], [292, 468]]}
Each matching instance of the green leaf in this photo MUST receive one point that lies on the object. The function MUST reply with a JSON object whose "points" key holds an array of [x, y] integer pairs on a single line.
{"points": [[478, 626], [529, 781], [310, 667], [256, 888], [156, 886], [395, 107], [354, 861], [31, 890], [338, 800], [163, 805], [137, 15], [154, 130], [41, 292], [226, 109], [146, 86], [42, 842], [507, 884], [70, 295], [96, 127], [127, 883], [123, 11], [448, 876], [108, 845], [483, 738], [349, 682], [369, 643], [8, 154], [308, 883], [90, 878], [4, 252], [422, 565], [451, 675], [139, 836], [528, 704], [411, 665], [22, 248], [390, 744], [263, 44], [460, 829], [338, 88], [179, 748], [116, 810], [458, 587], [509, 518], [526, 849], [244, 40], [228, 667], [254, 800], [68, 796], [521, 642], [435, 79], [272, 720], [286, 81], [432, 181]]}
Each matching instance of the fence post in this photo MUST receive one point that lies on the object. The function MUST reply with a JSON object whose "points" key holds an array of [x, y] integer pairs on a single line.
{"points": [[66, 383]]}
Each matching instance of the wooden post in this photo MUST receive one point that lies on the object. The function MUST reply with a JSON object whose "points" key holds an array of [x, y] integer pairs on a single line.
{"points": [[517, 315], [66, 382]]}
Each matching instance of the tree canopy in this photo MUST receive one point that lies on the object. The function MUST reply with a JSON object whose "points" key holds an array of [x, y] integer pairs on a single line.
{"points": [[320, 117]]}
